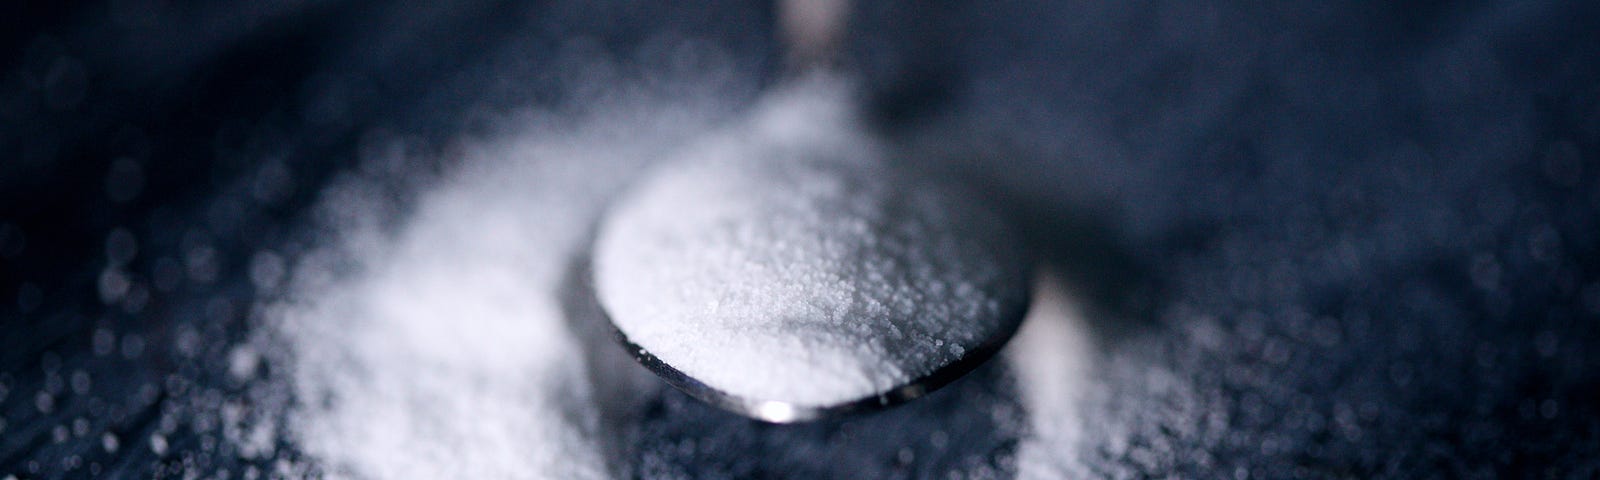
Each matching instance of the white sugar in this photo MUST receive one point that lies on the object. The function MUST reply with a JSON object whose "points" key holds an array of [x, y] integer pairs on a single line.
{"points": [[1051, 358], [442, 350], [788, 260]]}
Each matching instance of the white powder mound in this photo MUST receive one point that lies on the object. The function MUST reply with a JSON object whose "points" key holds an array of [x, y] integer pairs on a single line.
{"points": [[1051, 357], [788, 261], [444, 351]]}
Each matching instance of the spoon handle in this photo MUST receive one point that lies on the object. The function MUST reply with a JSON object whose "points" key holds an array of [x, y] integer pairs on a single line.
{"points": [[811, 32]]}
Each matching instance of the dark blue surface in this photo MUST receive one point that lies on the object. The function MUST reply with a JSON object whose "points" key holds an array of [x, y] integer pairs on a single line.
{"points": [[1362, 235]]}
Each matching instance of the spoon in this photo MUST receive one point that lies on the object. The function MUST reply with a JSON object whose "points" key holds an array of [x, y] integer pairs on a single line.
{"points": [[786, 270]]}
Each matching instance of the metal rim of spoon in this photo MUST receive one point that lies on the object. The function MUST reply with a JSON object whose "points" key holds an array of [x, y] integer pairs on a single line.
{"points": [[777, 411]]}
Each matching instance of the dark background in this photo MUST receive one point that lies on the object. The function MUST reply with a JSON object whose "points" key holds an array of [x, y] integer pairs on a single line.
{"points": [[1419, 178]]}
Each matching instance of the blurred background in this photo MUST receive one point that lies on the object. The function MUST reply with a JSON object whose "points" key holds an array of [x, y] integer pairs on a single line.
{"points": [[1346, 239]]}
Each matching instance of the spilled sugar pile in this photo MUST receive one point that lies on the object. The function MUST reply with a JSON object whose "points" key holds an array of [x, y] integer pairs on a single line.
{"points": [[1051, 358], [788, 261], [440, 350]]}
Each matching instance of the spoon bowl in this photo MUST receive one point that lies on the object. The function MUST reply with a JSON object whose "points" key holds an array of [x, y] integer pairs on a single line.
{"points": [[787, 270]]}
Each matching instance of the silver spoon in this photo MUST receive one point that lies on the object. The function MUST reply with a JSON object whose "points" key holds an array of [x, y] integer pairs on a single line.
{"points": [[786, 271]]}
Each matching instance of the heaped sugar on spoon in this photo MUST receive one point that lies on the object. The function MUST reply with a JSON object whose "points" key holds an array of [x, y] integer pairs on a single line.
{"points": [[787, 270]]}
